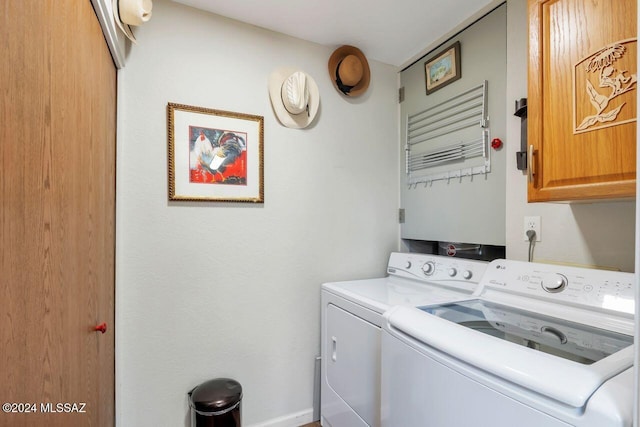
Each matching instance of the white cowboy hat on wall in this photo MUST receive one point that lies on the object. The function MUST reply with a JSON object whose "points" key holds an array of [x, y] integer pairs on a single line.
{"points": [[294, 96], [131, 12]]}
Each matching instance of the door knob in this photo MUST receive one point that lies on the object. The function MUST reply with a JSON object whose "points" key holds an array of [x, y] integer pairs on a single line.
{"points": [[102, 327]]}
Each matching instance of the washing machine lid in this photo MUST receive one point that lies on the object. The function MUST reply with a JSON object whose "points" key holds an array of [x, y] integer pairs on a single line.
{"points": [[562, 338], [499, 340]]}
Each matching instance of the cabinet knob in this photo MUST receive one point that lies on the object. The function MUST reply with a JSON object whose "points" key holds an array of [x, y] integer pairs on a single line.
{"points": [[102, 327]]}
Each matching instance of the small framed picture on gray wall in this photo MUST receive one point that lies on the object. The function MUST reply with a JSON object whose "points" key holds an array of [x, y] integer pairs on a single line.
{"points": [[214, 155], [443, 68]]}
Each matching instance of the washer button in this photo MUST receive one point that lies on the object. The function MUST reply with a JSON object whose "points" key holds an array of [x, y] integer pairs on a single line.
{"points": [[467, 274]]}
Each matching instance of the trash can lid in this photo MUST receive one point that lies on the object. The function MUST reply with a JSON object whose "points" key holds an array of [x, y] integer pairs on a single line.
{"points": [[216, 395]]}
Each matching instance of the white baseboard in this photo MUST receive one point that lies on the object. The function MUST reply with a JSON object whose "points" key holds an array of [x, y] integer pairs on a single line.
{"points": [[292, 420]]}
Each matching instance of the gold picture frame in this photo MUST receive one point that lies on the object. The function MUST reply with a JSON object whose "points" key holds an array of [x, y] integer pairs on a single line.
{"points": [[214, 155], [444, 68]]}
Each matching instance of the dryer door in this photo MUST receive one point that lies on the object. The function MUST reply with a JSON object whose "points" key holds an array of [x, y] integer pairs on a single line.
{"points": [[353, 364]]}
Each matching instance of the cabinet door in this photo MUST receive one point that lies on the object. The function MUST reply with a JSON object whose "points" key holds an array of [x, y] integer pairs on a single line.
{"points": [[57, 240], [465, 208], [582, 99]]}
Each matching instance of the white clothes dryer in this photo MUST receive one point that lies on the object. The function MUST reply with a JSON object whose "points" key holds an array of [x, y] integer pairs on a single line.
{"points": [[537, 346], [351, 328]]}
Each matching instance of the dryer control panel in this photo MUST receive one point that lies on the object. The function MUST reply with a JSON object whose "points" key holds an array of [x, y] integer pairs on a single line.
{"points": [[612, 290], [437, 269]]}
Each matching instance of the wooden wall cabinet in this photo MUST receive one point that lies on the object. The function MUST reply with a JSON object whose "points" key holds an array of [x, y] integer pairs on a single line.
{"points": [[582, 99]]}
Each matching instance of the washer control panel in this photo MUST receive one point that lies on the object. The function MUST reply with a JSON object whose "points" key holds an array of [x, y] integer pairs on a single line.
{"points": [[589, 287], [435, 268]]}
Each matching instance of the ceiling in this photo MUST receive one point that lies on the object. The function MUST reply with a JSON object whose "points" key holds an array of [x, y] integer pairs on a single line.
{"points": [[392, 32]]}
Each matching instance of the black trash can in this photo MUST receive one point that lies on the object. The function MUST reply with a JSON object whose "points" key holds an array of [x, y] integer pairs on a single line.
{"points": [[216, 403]]}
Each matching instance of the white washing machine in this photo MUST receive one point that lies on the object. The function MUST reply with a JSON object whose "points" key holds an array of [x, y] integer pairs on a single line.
{"points": [[536, 346], [351, 328]]}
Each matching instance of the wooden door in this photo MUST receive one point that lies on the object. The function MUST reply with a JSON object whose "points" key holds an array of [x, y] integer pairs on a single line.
{"points": [[57, 195], [582, 99]]}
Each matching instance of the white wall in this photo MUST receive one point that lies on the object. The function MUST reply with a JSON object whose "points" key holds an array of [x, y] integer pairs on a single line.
{"points": [[596, 234], [209, 290]]}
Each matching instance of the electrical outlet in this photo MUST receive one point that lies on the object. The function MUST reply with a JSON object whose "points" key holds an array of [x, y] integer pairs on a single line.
{"points": [[532, 223]]}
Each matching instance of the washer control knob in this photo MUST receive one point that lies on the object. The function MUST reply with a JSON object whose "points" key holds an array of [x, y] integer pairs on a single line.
{"points": [[407, 265], [452, 272], [554, 283], [467, 274], [428, 268]]}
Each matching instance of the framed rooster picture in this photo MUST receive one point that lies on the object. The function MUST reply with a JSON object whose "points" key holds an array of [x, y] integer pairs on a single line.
{"points": [[214, 155]]}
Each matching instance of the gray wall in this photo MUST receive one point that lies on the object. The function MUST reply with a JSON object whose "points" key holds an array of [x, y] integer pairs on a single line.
{"points": [[592, 234], [210, 290], [586, 234], [469, 210], [191, 308]]}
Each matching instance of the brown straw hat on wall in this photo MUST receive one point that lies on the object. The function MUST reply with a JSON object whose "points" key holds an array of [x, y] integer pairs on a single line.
{"points": [[349, 70]]}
